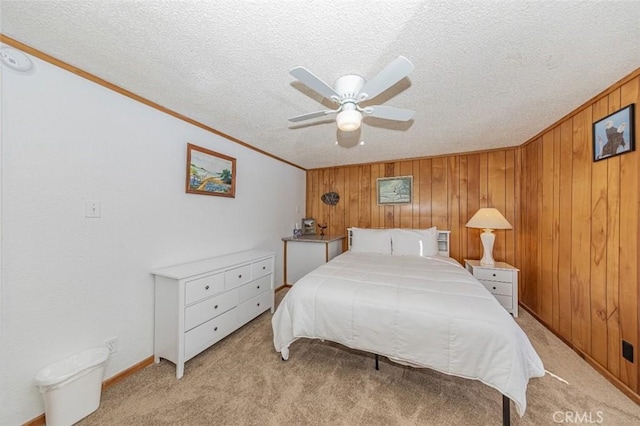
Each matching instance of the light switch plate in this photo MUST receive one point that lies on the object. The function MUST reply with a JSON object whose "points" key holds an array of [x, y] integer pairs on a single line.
{"points": [[92, 209]]}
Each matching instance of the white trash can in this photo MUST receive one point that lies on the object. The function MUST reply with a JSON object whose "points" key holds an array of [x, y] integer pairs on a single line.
{"points": [[71, 388]]}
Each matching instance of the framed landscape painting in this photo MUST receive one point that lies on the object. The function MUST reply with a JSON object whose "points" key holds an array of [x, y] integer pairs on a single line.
{"points": [[395, 190], [210, 173], [614, 134]]}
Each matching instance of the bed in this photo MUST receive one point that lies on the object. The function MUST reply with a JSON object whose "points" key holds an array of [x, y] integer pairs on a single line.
{"points": [[398, 294]]}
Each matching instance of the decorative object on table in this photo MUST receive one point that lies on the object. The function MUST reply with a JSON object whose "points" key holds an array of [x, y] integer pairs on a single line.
{"points": [[322, 228], [308, 226], [330, 198], [488, 219], [297, 232], [395, 190], [210, 173], [614, 134]]}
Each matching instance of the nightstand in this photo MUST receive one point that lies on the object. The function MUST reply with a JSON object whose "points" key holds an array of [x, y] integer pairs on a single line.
{"points": [[501, 280], [303, 255]]}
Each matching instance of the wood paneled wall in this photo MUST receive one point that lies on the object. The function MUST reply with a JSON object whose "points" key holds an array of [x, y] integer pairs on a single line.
{"points": [[447, 191], [579, 239], [576, 224]]}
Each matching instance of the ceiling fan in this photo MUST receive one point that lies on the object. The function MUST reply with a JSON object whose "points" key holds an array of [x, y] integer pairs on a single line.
{"points": [[351, 90]]}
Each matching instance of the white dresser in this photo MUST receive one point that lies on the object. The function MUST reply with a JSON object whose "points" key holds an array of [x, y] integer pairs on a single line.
{"points": [[198, 303], [501, 280]]}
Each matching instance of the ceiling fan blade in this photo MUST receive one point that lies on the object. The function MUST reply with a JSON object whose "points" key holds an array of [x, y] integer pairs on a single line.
{"points": [[389, 112], [313, 82], [311, 115], [395, 71]]}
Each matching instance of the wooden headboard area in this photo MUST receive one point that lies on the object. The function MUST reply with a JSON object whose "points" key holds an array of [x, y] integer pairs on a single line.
{"points": [[443, 241]]}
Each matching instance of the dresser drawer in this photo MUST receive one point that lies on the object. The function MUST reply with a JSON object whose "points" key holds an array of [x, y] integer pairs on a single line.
{"points": [[262, 267], [237, 276], [497, 287], [210, 308], [492, 274], [203, 287], [205, 335], [255, 288], [505, 301], [255, 306]]}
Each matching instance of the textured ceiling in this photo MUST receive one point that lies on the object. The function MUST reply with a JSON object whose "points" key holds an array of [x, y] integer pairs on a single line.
{"points": [[487, 74]]}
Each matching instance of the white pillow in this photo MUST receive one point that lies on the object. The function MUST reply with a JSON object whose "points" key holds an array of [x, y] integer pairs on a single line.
{"points": [[415, 242], [371, 241]]}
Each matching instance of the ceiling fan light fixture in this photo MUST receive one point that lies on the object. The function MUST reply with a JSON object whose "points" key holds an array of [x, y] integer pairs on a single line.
{"points": [[352, 89], [349, 120]]}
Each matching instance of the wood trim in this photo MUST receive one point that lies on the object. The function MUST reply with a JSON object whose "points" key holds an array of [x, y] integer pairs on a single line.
{"points": [[429, 157], [579, 109], [128, 372], [586, 104], [95, 79], [47, 58], [593, 363], [284, 279], [38, 421], [41, 421], [283, 286]]}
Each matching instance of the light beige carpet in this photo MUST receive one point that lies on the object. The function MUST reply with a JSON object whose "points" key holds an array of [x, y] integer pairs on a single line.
{"points": [[242, 381]]}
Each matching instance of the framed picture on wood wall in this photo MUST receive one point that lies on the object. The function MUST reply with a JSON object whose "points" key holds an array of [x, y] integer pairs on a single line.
{"points": [[614, 134], [210, 173], [395, 190]]}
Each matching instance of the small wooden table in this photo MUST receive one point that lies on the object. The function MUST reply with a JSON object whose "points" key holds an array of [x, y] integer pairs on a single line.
{"points": [[304, 254]]}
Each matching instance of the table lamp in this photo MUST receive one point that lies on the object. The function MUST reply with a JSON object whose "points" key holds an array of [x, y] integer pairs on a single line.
{"points": [[488, 219]]}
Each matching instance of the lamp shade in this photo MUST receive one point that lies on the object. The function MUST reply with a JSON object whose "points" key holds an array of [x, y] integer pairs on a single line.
{"points": [[488, 218], [349, 120]]}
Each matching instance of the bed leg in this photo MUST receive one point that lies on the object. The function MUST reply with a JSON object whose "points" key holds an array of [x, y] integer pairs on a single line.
{"points": [[377, 368], [506, 411]]}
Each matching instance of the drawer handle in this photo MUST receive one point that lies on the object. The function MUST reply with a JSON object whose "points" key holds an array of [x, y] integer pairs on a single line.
{"points": [[264, 267], [240, 276], [494, 288], [215, 328], [216, 307], [494, 275], [258, 304], [206, 288], [258, 286]]}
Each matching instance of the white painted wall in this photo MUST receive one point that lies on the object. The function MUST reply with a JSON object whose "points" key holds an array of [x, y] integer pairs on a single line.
{"points": [[68, 283]]}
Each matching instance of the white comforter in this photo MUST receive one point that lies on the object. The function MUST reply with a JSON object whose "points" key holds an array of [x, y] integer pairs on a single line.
{"points": [[424, 312]]}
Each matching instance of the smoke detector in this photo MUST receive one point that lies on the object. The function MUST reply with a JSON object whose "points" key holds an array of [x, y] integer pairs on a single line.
{"points": [[16, 61]]}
